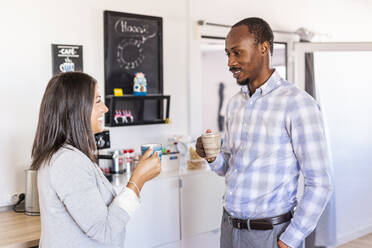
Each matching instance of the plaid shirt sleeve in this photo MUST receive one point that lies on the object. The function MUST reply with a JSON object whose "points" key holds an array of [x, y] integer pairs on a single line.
{"points": [[306, 129]]}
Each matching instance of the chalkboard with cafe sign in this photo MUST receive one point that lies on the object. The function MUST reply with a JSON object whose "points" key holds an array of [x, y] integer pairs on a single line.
{"points": [[132, 44]]}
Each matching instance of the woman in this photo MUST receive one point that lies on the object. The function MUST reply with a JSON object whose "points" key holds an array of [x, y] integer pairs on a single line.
{"points": [[78, 205]]}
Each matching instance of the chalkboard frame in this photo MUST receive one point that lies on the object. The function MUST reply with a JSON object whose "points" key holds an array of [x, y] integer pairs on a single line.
{"points": [[157, 70]]}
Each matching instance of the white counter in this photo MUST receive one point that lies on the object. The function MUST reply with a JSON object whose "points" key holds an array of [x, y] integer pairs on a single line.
{"points": [[120, 180], [177, 207]]}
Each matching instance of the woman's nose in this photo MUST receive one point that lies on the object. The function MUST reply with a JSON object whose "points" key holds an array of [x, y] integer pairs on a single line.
{"points": [[104, 108]]}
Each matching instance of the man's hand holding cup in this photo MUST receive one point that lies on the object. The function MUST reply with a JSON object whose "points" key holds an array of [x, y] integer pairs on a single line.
{"points": [[208, 145]]}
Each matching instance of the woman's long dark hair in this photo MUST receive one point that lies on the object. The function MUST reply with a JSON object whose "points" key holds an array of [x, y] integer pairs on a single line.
{"points": [[65, 117]]}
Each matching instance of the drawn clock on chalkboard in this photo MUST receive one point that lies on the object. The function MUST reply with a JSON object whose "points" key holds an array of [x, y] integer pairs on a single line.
{"points": [[130, 51]]}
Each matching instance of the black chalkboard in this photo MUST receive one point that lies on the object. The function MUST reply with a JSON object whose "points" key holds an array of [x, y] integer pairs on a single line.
{"points": [[133, 43]]}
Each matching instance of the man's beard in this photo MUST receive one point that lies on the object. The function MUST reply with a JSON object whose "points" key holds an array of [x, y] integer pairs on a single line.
{"points": [[244, 82]]}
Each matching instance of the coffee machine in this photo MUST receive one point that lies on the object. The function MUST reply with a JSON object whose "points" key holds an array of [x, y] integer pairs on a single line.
{"points": [[105, 158]]}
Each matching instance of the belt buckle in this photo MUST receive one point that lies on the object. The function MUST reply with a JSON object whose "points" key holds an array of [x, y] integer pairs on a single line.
{"points": [[238, 225], [231, 222]]}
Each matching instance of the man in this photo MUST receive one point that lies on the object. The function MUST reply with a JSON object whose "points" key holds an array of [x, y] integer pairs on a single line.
{"points": [[273, 131]]}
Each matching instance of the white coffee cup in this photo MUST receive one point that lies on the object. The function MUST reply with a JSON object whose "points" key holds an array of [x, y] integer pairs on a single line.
{"points": [[211, 144]]}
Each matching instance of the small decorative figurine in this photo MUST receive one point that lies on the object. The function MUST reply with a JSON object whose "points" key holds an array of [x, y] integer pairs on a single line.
{"points": [[118, 117], [128, 116], [140, 84], [123, 116]]}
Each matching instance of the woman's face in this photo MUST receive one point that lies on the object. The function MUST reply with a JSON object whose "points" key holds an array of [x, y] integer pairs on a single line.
{"points": [[98, 111]]}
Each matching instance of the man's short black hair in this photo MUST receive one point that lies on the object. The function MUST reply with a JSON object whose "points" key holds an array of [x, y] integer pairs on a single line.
{"points": [[260, 29]]}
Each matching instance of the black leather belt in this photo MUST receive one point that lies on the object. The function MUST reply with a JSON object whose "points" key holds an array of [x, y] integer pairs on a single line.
{"points": [[258, 224]]}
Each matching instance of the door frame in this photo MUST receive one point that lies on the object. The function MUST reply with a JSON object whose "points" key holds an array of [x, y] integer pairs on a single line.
{"points": [[300, 48], [299, 51]]}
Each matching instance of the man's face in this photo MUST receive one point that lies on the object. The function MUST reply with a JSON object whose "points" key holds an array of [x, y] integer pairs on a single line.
{"points": [[245, 57]]}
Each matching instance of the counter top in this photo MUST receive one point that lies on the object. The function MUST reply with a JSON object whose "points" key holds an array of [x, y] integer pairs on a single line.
{"points": [[19, 230], [120, 180]]}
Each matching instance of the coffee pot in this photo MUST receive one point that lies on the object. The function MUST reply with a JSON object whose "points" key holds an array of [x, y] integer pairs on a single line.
{"points": [[31, 195]]}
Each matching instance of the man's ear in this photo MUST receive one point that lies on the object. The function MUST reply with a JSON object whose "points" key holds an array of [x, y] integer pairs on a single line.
{"points": [[265, 47]]}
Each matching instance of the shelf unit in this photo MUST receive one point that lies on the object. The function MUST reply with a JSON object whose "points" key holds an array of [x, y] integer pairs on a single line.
{"points": [[151, 109]]}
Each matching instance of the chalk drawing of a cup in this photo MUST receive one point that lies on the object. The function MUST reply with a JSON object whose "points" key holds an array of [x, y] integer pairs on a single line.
{"points": [[67, 66]]}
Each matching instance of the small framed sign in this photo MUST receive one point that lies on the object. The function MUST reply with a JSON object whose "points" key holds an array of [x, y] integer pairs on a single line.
{"points": [[67, 58]]}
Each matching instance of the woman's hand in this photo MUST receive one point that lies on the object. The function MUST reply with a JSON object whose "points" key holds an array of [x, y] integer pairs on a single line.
{"points": [[282, 245], [146, 169]]}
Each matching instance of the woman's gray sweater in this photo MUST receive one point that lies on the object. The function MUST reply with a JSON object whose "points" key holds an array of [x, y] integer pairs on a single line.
{"points": [[75, 204]]}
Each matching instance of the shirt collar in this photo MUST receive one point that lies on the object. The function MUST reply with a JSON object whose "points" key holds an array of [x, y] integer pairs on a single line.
{"points": [[272, 83], [245, 89]]}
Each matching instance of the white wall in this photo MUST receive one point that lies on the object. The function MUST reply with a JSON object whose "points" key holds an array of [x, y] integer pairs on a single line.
{"points": [[345, 20], [344, 97], [30, 27], [215, 70]]}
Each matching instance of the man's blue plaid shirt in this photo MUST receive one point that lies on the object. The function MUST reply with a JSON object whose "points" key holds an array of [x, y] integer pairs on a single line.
{"points": [[269, 139]]}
